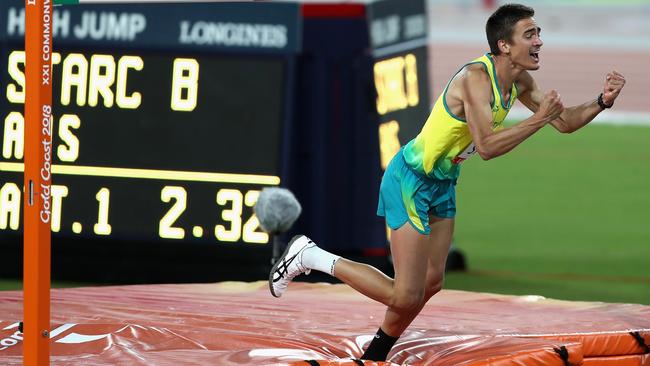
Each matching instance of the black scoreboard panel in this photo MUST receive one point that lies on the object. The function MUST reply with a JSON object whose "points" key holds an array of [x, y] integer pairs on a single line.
{"points": [[170, 118], [168, 121], [140, 151]]}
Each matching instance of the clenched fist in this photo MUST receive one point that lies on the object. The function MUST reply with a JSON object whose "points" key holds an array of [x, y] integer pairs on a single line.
{"points": [[551, 106], [614, 82]]}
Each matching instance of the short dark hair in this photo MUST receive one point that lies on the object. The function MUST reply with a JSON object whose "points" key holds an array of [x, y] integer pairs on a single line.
{"points": [[502, 22]]}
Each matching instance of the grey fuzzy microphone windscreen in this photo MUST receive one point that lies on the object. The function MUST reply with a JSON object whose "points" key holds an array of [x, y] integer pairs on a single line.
{"points": [[277, 209]]}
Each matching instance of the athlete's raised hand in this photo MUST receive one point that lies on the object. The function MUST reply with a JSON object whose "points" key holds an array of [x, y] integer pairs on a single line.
{"points": [[614, 82], [551, 106]]}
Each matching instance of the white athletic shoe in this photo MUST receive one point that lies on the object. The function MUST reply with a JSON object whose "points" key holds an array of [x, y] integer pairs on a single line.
{"points": [[289, 265]]}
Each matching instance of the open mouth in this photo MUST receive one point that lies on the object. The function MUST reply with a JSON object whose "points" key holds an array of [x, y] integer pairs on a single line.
{"points": [[535, 56]]}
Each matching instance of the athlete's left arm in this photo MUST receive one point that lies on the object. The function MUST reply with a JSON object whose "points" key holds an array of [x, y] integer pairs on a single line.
{"points": [[576, 117]]}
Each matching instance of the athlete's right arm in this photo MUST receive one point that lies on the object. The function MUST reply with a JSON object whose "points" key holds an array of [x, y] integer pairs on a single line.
{"points": [[476, 90]]}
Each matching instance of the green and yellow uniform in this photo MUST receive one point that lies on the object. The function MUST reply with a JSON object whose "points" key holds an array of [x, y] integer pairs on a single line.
{"points": [[421, 178]]}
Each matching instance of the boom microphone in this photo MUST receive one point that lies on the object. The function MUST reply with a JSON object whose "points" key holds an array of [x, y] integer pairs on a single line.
{"points": [[277, 209]]}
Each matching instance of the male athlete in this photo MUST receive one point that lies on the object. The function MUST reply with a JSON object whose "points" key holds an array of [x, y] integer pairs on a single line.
{"points": [[417, 194]]}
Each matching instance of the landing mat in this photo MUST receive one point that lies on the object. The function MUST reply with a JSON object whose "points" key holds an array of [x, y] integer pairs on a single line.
{"points": [[237, 323]]}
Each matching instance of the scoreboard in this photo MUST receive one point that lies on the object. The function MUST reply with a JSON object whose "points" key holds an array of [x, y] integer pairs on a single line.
{"points": [[169, 119], [150, 141]]}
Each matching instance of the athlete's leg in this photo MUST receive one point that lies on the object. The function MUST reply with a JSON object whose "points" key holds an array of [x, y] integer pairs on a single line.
{"points": [[419, 262], [410, 257], [364, 278], [438, 242], [407, 289], [442, 232]]}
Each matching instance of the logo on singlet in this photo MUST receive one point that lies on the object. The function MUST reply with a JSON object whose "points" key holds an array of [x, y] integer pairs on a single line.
{"points": [[469, 151]]}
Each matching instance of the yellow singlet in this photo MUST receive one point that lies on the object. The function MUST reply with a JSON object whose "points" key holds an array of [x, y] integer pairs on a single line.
{"points": [[445, 140]]}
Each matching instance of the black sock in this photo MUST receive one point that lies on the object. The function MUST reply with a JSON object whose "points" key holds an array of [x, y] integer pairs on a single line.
{"points": [[379, 347]]}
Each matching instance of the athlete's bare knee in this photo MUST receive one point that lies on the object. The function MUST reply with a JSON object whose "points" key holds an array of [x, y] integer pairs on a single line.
{"points": [[404, 301]]}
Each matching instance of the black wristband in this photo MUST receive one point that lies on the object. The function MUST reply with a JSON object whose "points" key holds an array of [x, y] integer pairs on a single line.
{"points": [[602, 104]]}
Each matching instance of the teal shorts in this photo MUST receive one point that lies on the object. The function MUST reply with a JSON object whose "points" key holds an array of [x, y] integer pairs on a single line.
{"points": [[406, 195]]}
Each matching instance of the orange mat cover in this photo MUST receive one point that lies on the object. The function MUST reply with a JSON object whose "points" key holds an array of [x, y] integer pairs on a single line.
{"points": [[236, 323]]}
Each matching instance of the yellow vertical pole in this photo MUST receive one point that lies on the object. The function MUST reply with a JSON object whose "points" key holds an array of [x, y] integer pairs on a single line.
{"points": [[38, 181]]}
